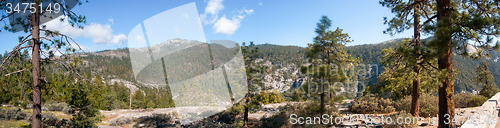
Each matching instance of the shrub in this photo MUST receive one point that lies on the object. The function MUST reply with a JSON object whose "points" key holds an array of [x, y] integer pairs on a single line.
{"points": [[158, 120], [371, 105], [270, 97], [465, 100], [210, 123], [308, 109], [12, 114], [121, 121], [50, 120], [428, 105], [66, 110], [275, 121], [402, 115], [477, 100], [56, 106]]}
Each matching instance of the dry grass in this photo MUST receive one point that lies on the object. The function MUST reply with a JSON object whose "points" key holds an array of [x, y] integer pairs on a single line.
{"points": [[11, 123], [58, 114]]}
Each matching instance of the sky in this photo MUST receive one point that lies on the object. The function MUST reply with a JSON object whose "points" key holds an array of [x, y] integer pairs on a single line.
{"points": [[281, 22]]}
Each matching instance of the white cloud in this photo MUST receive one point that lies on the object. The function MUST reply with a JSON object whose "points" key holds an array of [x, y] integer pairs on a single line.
{"points": [[222, 25], [177, 30], [118, 39], [260, 3], [100, 34], [249, 11], [140, 39], [214, 6], [227, 26], [185, 15], [211, 11], [111, 20]]}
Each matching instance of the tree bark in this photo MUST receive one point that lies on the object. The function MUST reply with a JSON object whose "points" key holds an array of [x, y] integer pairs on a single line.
{"points": [[322, 100], [245, 116], [415, 104], [37, 107], [445, 62], [130, 100]]}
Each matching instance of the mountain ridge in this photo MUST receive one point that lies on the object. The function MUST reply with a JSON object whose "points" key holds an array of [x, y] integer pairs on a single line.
{"points": [[283, 55]]}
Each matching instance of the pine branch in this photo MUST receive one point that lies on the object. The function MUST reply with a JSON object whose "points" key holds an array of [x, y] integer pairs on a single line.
{"points": [[12, 53], [6, 15], [69, 68], [65, 36], [15, 72], [429, 20], [55, 46]]}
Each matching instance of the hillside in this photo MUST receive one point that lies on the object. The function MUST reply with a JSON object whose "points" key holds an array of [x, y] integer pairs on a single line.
{"points": [[464, 67], [115, 64]]}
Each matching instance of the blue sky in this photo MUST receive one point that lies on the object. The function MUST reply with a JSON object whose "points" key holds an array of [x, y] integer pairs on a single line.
{"points": [[261, 21]]}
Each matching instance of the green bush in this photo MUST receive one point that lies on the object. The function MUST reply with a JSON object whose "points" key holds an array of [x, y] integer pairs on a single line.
{"points": [[12, 114], [121, 121], [465, 100], [66, 110], [270, 97], [370, 104], [477, 100], [428, 105], [56, 106], [402, 115], [158, 120], [308, 109], [50, 120]]}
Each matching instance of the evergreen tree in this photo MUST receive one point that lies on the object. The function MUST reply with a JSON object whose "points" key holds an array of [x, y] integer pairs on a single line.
{"points": [[138, 100], [253, 72], [83, 113], [327, 55], [402, 21], [485, 78], [461, 25], [396, 79], [34, 42]]}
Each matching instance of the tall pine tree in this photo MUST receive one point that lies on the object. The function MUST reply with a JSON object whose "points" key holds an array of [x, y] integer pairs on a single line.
{"points": [[328, 58], [34, 42], [485, 78]]}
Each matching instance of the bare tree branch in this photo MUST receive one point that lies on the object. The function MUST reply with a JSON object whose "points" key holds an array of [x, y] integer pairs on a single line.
{"points": [[15, 72], [6, 16], [65, 36], [12, 53], [55, 46], [69, 68], [429, 19]]}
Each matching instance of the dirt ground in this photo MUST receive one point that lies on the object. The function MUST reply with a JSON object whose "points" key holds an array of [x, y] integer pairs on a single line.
{"points": [[266, 111]]}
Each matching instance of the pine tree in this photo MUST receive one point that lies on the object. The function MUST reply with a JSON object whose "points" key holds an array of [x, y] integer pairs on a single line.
{"points": [[401, 22], [83, 113], [138, 99], [250, 55], [396, 79], [34, 42], [326, 51], [461, 24], [485, 78]]}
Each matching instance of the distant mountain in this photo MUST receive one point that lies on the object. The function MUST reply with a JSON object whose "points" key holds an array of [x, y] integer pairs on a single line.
{"points": [[464, 67], [115, 64]]}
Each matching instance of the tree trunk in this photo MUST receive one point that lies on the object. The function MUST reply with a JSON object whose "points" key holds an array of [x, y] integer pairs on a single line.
{"points": [[130, 100], [37, 107], [445, 62], [322, 98], [245, 116], [415, 101]]}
